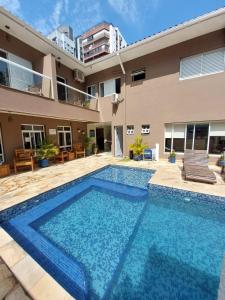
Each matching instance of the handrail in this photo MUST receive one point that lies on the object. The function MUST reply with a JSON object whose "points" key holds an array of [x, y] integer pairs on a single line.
{"points": [[73, 88], [24, 68]]}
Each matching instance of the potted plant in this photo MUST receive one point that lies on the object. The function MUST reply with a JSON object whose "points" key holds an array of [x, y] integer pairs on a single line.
{"points": [[172, 157], [94, 148], [138, 148], [88, 145], [46, 152]]}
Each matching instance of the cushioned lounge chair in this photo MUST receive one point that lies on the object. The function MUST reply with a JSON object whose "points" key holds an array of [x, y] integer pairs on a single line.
{"points": [[196, 167]]}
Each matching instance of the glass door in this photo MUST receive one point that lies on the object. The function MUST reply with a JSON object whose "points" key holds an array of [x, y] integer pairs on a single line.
{"points": [[201, 136]]}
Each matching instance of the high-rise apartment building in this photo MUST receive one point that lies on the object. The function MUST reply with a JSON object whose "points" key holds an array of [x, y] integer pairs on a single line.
{"points": [[102, 39], [63, 37]]}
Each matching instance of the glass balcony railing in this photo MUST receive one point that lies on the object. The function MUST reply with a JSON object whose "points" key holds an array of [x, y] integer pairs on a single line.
{"points": [[102, 49], [71, 95], [21, 78]]}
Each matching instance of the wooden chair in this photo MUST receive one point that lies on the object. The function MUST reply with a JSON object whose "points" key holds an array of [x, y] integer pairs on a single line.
{"points": [[62, 156], [23, 158], [79, 150]]}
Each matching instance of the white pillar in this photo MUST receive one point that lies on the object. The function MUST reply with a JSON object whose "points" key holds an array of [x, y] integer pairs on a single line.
{"points": [[157, 152]]}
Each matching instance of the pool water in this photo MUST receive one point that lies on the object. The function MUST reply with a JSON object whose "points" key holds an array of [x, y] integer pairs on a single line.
{"points": [[108, 236]]}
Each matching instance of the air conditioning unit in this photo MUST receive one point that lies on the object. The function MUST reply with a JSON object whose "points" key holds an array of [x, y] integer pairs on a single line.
{"points": [[115, 98], [78, 75]]}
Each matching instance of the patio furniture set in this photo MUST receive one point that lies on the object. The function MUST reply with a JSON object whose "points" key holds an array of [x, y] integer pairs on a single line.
{"points": [[24, 158]]}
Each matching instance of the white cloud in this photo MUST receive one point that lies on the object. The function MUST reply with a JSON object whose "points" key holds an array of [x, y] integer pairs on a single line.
{"points": [[12, 5], [80, 14], [130, 10], [86, 14]]}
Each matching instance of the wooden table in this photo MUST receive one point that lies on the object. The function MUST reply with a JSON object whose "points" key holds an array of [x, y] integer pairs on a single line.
{"points": [[4, 170]]}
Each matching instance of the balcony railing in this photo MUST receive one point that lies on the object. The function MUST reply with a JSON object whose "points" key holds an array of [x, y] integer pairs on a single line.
{"points": [[96, 51], [97, 36], [70, 95], [18, 77]]}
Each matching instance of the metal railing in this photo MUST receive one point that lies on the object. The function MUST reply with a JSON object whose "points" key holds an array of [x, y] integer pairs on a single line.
{"points": [[18, 77], [71, 95], [96, 51]]}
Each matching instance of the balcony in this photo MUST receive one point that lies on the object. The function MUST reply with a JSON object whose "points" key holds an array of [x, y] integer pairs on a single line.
{"points": [[99, 35], [71, 95], [96, 45], [103, 49], [24, 79], [27, 92]]}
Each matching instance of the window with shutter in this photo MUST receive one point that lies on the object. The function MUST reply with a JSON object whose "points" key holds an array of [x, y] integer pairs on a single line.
{"points": [[202, 64]]}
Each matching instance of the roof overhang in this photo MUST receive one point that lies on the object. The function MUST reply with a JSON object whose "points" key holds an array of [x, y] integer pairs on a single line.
{"points": [[188, 30]]}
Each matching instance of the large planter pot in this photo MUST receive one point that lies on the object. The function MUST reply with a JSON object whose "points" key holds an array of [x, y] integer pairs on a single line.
{"points": [[88, 151], [172, 159], [138, 157], [43, 163]]}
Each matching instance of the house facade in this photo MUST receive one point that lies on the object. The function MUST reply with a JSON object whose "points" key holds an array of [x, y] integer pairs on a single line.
{"points": [[169, 88]]}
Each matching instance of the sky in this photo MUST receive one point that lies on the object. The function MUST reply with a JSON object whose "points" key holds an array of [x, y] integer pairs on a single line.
{"points": [[136, 19]]}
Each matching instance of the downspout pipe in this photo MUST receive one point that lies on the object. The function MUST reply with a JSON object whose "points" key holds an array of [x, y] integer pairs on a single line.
{"points": [[125, 114]]}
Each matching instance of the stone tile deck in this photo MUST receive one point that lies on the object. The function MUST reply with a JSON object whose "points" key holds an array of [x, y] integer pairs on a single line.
{"points": [[17, 188]]}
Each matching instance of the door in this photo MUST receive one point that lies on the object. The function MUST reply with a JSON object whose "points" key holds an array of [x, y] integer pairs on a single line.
{"points": [[62, 91], [100, 138], [119, 141]]}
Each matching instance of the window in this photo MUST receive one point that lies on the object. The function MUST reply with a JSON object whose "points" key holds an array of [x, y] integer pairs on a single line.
{"points": [[202, 64], [4, 70], [196, 136], [92, 133], [175, 137], [130, 129], [145, 129], [217, 138], [91, 90], [64, 137], [138, 75], [201, 136], [118, 85], [32, 135], [62, 90], [109, 87], [1, 148]]}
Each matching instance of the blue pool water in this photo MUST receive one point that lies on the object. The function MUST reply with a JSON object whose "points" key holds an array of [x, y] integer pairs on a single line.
{"points": [[110, 236]]}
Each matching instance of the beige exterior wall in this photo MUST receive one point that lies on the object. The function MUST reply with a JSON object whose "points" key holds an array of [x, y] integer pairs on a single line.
{"points": [[162, 98], [10, 125]]}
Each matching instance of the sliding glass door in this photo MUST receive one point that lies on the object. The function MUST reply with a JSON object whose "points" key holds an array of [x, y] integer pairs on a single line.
{"points": [[201, 136]]}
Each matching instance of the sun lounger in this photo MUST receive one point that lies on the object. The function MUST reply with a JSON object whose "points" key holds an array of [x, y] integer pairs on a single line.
{"points": [[196, 167]]}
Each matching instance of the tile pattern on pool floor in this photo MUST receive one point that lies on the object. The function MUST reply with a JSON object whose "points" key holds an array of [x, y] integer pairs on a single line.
{"points": [[171, 252]]}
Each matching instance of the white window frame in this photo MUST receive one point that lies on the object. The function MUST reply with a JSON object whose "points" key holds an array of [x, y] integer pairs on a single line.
{"points": [[32, 131], [2, 158], [193, 139], [64, 135], [201, 74], [114, 85]]}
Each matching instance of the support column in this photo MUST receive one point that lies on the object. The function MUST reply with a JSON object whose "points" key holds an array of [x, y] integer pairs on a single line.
{"points": [[49, 69]]}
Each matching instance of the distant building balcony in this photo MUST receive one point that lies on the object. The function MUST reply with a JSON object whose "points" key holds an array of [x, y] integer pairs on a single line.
{"points": [[97, 52], [95, 45], [97, 36]]}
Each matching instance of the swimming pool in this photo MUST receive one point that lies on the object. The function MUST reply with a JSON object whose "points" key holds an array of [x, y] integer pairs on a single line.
{"points": [[109, 235]]}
